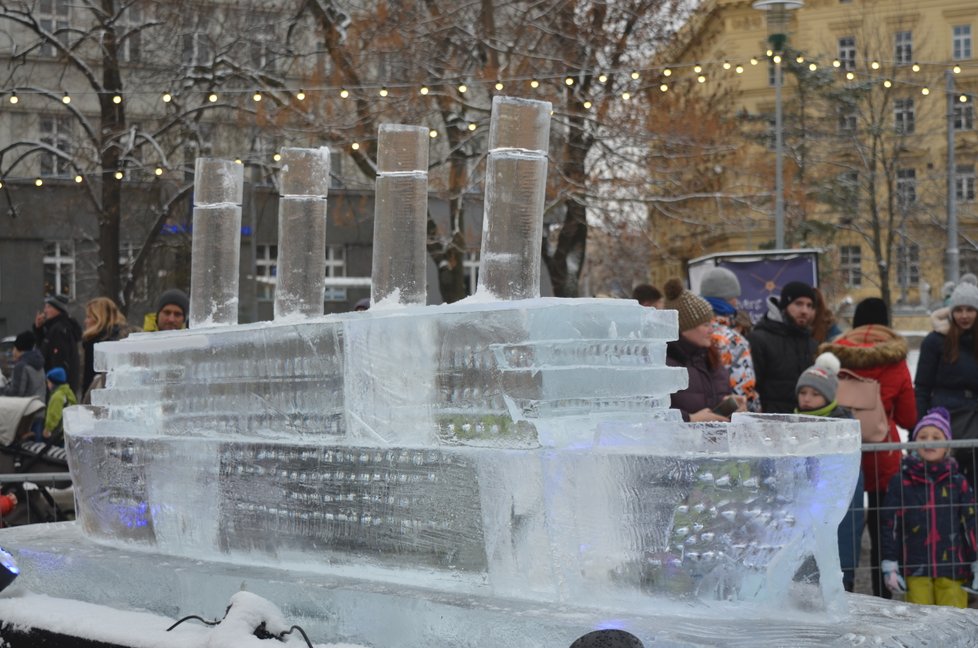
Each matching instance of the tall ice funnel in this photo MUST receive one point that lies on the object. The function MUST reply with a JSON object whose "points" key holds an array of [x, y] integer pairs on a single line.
{"points": [[516, 182], [401, 214], [216, 248], [302, 232]]}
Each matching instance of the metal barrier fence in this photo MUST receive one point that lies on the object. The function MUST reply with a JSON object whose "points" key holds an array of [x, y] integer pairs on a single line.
{"points": [[882, 508], [41, 497]]}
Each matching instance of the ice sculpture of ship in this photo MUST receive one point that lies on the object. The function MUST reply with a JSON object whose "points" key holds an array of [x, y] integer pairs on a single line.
{"points": [[501, 471]]}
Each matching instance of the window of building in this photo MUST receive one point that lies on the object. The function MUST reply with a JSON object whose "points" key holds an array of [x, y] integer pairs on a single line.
{"points": [[266, 266], [964, 182], [470, 266], [129, 34], [848, 120], [961, 42], [850, 263], [903, 52], [55, 131], [197, 50], [903, 116], [335, 268], [53, 17], [59, 268], [964, 116], [908, 264], [906, 187], [847, 52]]}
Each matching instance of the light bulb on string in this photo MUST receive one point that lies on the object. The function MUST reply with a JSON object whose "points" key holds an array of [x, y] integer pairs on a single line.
{"points": [[167, 97], [66, 99], [635, 76], [256, 97], [344, 93], [667, 72], [117, 99], [212, 97], [472, 126], [726, 65], [963, 98], [238, 161], [850, 76], [812, 67], [38, 182], [915, 67], [534, 84], [626, 95], [587, 105], [499, 85], [78, 179], [13, 98], [739, 69], [887, 83], [432, 133], [424, 90], [776, 58], [300, 95], [355, 146], [569, 81], [769, 53], [753, 60], [836, 63], [462, 88], [383, 92], [925, 91], [602, 78], [158, 171], [799, 59], [664, 88], [119, 175], [277, 157], [956, 69], [875, 65], [697, 68], [701, 79]]}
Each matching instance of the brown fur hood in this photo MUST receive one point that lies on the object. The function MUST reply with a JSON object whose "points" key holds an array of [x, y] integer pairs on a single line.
{"points": [[867, 346]]}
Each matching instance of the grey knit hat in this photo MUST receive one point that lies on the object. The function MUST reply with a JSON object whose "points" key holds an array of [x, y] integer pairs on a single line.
{"points": [[720, 282], [965, 294], [823, 376], [59, 302]]}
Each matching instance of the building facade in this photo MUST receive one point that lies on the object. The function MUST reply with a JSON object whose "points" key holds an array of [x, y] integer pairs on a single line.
{"points": [[872, 93]]}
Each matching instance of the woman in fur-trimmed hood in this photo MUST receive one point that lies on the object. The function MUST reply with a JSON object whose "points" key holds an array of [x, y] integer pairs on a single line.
{"points": [[873, 350]]}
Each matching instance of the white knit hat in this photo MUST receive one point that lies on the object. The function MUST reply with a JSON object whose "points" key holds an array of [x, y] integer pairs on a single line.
{"points": [[965, 294]]}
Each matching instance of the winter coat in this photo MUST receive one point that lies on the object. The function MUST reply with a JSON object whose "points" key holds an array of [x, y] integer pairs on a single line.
{"points": [[59, 399], [880, 353], [58, 341], [707, 387], [928, 520], [27, 378], [781, 351], [88, 351], [952, 385], [736, 358]]}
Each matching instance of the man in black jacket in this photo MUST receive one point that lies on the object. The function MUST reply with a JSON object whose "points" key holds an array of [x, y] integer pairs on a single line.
{"points": [[58, 338], [782, 346]]}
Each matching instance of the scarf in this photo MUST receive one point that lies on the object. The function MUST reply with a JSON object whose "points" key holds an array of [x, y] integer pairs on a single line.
{"points": [[721, 306], [821, 411]]}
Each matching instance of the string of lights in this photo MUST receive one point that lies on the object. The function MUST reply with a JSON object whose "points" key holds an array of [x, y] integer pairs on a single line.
{"points": [[628, 84]]}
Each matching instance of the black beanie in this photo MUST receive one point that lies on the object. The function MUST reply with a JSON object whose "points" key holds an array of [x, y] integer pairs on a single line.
{"points": [[871, 310], [25, 341], [793, 290], [176, 297]]}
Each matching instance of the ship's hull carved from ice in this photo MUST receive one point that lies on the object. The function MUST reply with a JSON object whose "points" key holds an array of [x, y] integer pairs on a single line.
{"points": [[519, 449]]}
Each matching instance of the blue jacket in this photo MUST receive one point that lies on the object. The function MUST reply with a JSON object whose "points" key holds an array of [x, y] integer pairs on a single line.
{"points": [[928, 520], [940, 383]]}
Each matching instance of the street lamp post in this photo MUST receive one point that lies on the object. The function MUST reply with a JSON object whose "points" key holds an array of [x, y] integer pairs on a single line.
{"points": [[777, 26]]}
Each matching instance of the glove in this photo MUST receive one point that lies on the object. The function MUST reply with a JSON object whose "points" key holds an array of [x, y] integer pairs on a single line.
{"points": [[892, 578], [972, 587]]}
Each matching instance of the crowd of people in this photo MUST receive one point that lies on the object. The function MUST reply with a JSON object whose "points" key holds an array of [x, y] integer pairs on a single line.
{"points": [[54, 359], [920, 505]]}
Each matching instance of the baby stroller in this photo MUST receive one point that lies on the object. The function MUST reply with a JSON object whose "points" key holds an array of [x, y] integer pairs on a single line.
{"points": [[47, 501]]}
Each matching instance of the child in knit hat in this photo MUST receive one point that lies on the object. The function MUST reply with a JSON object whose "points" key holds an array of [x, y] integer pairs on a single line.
{"points": [[815, 390], [929, 523], [61, 397]]}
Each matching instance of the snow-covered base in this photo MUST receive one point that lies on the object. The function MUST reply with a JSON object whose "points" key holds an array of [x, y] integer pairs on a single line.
{"points": [[59, 562]]}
